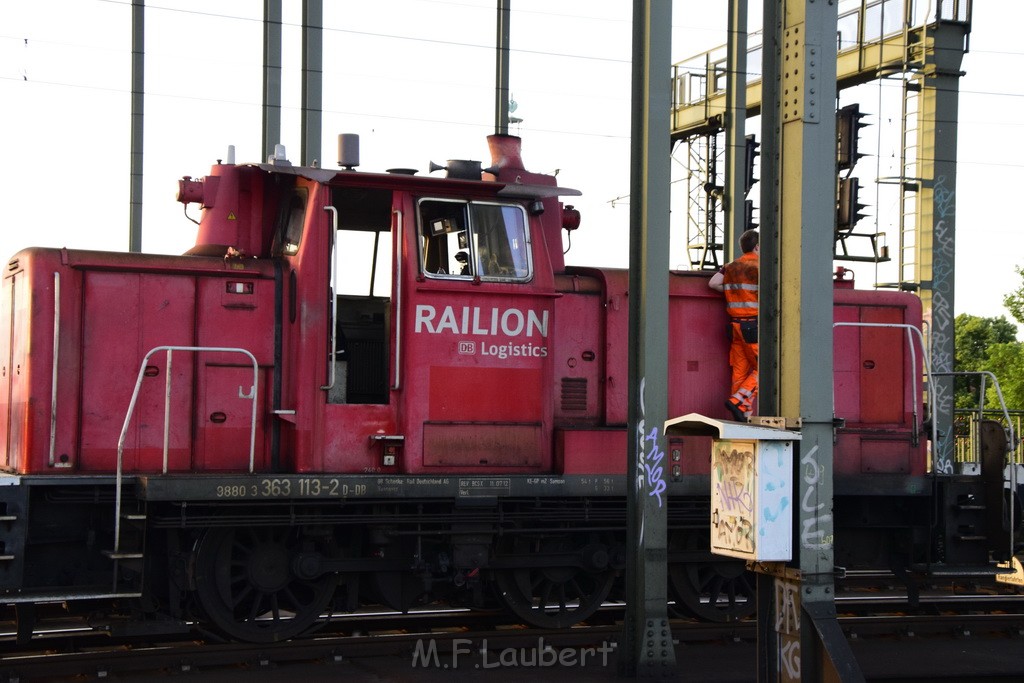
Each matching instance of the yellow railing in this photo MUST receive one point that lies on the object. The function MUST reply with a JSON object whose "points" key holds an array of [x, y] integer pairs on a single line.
{"points": [[965, 426]]}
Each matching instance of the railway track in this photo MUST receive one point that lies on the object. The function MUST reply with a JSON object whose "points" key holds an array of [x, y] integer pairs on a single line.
{"points": [[440, 638]]}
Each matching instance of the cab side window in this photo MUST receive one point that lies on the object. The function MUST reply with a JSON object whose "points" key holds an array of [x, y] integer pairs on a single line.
{"points": [[444, 234], [465, 240], [500, 239], [288, 229]]}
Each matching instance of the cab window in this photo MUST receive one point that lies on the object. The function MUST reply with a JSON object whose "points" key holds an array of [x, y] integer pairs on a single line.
{"points": [[465, 240], [290, 219]]}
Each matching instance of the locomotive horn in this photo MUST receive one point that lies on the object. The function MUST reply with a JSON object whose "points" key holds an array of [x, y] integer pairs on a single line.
{"points": [[461, 169]]}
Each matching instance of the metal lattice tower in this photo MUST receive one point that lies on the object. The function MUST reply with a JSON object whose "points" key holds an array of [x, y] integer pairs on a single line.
{"points": [[704, 221]]}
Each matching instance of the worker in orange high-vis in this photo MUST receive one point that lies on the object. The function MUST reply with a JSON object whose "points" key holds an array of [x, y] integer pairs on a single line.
{"points": [[738, 281]]}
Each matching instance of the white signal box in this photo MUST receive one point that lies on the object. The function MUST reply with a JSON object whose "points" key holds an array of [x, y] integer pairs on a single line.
{"points": [[752, 490]]}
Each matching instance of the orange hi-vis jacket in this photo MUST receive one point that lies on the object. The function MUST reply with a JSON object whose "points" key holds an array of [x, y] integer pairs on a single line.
{"points": [[740, 281]]}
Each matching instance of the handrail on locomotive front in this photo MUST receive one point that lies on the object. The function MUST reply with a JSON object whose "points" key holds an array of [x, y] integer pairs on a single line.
{"points": [[1011, 436], [252, 394]]}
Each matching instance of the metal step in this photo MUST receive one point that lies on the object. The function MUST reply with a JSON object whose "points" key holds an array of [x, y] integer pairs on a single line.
{"points": [[122, 555], [939, 570]]}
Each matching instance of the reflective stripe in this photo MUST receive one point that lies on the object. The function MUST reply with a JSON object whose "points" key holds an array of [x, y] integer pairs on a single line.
{"points": [[740, 285]]}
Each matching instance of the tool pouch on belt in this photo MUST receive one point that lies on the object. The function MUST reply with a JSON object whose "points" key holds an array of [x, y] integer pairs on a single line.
{"points": [[748, 328]]}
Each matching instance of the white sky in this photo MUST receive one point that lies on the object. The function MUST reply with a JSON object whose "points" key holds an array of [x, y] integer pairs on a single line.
{"points": [[415, 79]]}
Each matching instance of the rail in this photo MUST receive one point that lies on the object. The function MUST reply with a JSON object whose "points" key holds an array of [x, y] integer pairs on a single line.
{"points": [[252, 395]]}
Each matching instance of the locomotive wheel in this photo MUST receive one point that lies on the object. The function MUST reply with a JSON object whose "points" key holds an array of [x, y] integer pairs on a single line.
{"points": [[717, 589], [555, 596], [248, 588]]}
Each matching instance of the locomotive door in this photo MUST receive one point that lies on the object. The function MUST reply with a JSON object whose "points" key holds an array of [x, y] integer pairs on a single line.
{"points": [[153, 309], [476, 352], [357, 394]]}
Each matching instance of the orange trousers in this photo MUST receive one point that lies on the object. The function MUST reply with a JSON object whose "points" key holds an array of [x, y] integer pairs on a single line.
{"points": [[743, 359]]}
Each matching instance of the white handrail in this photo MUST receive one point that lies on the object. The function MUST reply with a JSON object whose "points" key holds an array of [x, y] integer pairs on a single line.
{"points": [[911, 332], [334, 299], [1011, 436], [53, 379], [251, 395], [397, 318]]}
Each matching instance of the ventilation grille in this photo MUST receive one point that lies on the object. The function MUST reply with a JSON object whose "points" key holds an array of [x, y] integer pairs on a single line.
{"points": [[574, 393]]}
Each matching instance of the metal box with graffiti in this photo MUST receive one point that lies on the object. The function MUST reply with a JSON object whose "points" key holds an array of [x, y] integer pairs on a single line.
{"points": [[752, 490]]}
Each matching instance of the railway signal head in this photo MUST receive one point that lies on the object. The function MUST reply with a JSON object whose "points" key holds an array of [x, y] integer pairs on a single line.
{"points": [[751, 154], [848, 127], [748, 215], [848, 206]]}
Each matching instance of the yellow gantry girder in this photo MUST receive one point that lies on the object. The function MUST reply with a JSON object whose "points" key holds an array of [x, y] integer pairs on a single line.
{"points": [[874, 40]]}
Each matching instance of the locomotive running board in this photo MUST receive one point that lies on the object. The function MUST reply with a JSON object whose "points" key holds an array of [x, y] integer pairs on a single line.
{"points": [[966, 571], [240, 488], [62, 597]]}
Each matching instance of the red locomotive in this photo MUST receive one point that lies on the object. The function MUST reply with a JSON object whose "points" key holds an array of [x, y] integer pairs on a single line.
{"points": [[389, 388]]}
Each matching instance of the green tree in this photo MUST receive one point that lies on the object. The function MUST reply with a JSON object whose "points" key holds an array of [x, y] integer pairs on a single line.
{"points": [[1014, 301], [974, 339], [1006, 362]]}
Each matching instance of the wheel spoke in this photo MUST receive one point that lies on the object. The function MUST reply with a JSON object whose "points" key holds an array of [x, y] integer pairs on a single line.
{"points": [[293, 598], [242, 595], [254, 611], [714, 590], [275, 608], [548, 587], [577, 589]]}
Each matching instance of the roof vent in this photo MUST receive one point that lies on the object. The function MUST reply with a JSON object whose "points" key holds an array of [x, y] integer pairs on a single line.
{"points": [[348, 150]]}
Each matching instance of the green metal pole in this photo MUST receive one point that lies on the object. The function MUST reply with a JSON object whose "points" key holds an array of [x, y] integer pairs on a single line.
{"points": [[137, 127], [271, 76], [501, 68], [312, 79], [808, 643], [648, 650]]}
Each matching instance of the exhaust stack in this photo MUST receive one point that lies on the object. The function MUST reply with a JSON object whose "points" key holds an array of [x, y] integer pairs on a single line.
{"points": [[506, 152]]}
